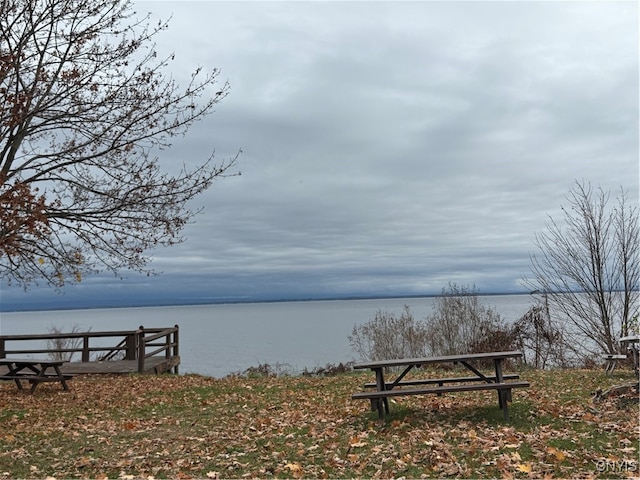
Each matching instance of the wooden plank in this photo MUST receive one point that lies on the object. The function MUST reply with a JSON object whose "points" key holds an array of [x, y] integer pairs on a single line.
{"points": [[36, 378], [399, 362], [630, 338], [433, 381], [435, 390], [50, 336], [43, 362]]}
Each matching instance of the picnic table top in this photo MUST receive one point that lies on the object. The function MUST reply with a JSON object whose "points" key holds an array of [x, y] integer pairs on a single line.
{"points": [[443, 359], [31, 361], [630, 338]]}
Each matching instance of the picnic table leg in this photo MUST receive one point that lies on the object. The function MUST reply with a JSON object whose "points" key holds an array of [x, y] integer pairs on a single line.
{"points": [[504, 395], [34, 382], [43, 373], [13, 371], [62, 379], [381, 386], [505, 404]]}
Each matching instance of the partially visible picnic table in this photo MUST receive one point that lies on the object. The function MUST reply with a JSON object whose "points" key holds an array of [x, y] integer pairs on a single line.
{"points": [[497, 380], [632, 343], [34, 371]]}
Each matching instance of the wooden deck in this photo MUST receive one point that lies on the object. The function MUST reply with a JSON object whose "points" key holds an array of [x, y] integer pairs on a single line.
{"points": [[154, 365], [144, 350]]}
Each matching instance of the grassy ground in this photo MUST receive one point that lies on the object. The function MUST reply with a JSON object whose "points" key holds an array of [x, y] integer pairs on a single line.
{"points": [[196, 427]]}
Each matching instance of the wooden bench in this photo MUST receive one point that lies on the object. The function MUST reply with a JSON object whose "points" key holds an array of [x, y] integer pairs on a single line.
{"points": [[441, 381], [397, 392], [439, 390], [34, 380]]}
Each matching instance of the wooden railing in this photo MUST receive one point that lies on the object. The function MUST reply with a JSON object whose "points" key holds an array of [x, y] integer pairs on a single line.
{"points": [[132, 344], [168, 344]]}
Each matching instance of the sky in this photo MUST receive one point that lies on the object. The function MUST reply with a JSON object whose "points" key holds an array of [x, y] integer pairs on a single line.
{"points": [[388, 148]]}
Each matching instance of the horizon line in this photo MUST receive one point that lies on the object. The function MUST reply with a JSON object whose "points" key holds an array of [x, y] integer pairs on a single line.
{"points": [[231, 301]]}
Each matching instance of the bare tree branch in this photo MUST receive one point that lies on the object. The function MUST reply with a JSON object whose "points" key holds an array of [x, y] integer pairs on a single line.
{"points": [[85, 107]]}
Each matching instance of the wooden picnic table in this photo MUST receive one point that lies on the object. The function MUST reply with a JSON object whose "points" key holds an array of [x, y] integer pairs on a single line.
{"points": [[632, 342], [477, 381], [34, 371]]}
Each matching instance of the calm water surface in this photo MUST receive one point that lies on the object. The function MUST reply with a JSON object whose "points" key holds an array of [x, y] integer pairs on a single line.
{"points": [[217, 340]]}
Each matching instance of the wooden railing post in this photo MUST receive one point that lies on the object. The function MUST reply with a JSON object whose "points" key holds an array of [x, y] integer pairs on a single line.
{"points": [[130, 352], [141, 349], [176, 350], [3, 351], [85, 348]]}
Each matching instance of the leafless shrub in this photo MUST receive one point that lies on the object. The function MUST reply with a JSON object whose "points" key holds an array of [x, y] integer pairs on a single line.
{"points": [[461, 324], [389, 336], [267, 370], [544, 344], [59, 346], [329, 370]]}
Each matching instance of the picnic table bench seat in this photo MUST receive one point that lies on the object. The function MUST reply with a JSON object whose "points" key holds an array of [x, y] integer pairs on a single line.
{"points": [[441, 381], [33, 378], [397, 392]]}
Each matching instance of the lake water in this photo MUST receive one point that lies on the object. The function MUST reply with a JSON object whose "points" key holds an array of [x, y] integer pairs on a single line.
{"points": [[216, 340]]}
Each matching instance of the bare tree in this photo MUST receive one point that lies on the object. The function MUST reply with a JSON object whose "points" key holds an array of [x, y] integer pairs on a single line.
{"points": [[589, 269], [85, 108]]}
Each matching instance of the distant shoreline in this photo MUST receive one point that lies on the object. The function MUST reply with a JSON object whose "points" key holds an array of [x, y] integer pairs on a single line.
{"points": [[227, 301]]}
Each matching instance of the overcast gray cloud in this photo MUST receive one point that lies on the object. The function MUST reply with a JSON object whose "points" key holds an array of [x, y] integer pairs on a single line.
{"points": [[392, 147]]}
